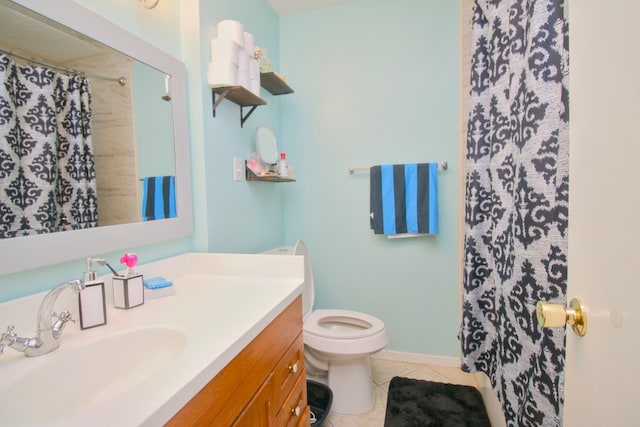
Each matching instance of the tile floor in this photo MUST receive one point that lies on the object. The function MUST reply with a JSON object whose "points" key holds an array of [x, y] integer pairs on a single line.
{"points": [[383, 370]]}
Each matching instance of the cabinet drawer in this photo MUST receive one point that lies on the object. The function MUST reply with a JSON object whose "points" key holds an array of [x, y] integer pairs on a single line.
{"points": [[288, 370], [294, 411], [305, 418]]}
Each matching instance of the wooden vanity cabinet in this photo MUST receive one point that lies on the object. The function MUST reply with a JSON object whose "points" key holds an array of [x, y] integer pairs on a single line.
{"points": [[263, 386]]}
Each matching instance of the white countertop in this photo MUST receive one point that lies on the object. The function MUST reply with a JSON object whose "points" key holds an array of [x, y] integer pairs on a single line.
{"points": [[221, 302]]}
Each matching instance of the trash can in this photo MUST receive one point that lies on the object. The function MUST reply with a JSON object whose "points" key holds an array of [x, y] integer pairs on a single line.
{"points": [[319, 398]]}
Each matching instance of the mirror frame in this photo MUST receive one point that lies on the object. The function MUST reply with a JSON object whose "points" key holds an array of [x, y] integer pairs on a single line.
{"points": [[29, 252]]}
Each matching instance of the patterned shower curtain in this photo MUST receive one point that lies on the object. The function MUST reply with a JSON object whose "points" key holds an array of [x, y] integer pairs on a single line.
{"points": [[517, 204], [47, 173]]}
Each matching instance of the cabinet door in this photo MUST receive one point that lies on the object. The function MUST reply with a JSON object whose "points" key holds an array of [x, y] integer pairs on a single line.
{"points": [[294, 411], [259, 412]]}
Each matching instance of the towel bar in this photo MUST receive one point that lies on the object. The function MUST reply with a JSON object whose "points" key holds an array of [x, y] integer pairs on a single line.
{"points": [[442, 166]]}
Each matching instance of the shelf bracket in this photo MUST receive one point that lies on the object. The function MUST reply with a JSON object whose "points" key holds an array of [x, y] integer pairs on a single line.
{"points": [[244, 117], [216, 103], [240, 96]]}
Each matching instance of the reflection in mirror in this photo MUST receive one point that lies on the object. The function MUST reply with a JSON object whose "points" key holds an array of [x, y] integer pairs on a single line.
{"points": [[266, 145], [126, 123], [137, 130]]}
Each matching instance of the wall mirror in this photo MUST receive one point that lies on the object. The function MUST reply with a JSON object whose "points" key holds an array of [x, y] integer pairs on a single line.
{"points": [[149, 140], [266, 146]]}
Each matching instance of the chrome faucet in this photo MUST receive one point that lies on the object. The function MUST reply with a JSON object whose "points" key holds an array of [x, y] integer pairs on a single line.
{"points": [[48, 332]]}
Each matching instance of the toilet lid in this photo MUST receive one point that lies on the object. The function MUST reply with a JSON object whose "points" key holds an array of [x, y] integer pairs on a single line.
{"points": [[308, 291], [342, 324]]}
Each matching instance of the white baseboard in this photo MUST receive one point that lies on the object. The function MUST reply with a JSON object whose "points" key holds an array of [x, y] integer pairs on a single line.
{"points": [[491, 403], [418, 358]]}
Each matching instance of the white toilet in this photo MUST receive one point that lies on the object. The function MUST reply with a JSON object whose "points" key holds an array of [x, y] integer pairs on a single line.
{"points": [[338, 344]]}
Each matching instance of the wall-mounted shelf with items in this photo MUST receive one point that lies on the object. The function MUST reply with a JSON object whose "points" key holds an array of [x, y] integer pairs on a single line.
{"points": [[274, 84], [265, 178], [238, 95]]}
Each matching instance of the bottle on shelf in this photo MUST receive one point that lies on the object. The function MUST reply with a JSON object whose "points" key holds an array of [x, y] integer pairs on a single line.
{"points": [[282, 166]]}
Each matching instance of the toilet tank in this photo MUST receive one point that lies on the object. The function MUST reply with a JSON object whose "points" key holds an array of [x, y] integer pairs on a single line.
{"points": [[280, 250], [308, 290]]}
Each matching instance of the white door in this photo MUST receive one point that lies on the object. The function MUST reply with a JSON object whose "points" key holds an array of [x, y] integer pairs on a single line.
{"points": [[602, 374]]}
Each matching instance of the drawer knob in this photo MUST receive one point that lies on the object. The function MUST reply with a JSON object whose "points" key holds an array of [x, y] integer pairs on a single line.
{"points": [[296, 411], [293, 369]]}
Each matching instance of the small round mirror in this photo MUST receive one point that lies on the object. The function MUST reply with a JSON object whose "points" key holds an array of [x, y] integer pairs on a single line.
{"points": [[266, 145]]}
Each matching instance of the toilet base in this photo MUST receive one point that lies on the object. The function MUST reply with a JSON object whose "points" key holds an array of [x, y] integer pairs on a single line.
{"points": [[352, 386]]}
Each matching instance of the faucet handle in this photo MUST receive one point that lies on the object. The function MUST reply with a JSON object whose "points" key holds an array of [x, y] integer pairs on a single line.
{"points": [[9, 336], [64, 317], [58, 325]]}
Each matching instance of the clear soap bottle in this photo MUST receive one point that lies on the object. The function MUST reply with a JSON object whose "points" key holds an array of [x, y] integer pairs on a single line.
{"points": [[283, 168]]}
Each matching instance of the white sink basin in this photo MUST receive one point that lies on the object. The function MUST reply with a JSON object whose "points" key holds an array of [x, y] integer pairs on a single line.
{"points": [[73, 382]]}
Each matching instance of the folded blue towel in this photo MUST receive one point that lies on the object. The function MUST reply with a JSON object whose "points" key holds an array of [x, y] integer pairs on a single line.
{"points": [[158, 197], [404, 198]]}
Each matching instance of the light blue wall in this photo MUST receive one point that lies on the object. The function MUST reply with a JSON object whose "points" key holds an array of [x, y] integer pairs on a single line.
{"points": [[241, 216], [376, 82], [154, 127], [159, 26]]}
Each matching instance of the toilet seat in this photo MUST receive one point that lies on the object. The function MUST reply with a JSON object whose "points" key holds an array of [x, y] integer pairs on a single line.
{"points": [[342, 324]]}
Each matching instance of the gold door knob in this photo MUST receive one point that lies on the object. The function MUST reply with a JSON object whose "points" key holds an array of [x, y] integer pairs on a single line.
{"points": [[551, 315]]}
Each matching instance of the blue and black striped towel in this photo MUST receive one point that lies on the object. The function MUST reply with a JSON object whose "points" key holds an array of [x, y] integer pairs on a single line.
{"points": [[158, 197], [404, 199]]}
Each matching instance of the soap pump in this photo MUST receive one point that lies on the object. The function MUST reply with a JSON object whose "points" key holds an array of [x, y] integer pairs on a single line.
{"points": [[91, 301]]}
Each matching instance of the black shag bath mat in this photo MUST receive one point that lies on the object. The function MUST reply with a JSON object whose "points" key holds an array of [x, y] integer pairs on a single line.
{"points": [[418, 403]]}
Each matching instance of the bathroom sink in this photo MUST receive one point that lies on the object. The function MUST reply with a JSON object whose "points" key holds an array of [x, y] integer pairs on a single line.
{"points": [[70, 383]]}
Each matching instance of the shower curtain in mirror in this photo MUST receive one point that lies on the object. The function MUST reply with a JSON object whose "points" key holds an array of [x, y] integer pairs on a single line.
{"points": [[47, 173], [515, 249]]}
